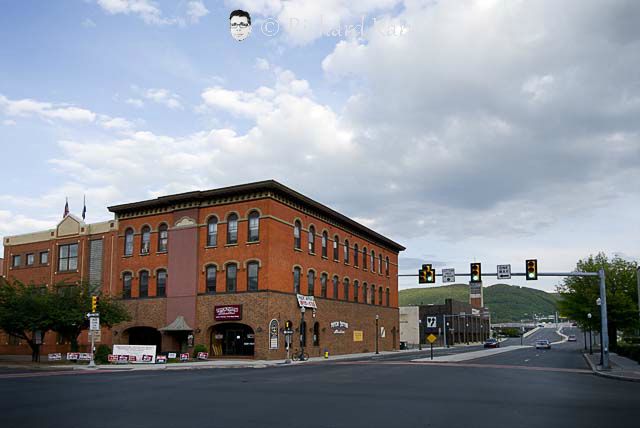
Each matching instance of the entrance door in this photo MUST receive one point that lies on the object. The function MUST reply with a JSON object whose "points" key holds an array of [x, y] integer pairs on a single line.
{"points": [[229, 339], [233, 342]]}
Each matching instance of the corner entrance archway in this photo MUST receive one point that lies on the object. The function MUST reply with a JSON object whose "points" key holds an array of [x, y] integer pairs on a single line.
{"points": [[143, 336], [232, 339]]}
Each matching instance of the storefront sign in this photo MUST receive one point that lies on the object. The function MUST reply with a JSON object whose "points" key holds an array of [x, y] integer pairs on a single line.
{"points": [[307, 301], [339, 327], [228, 312], [54, 357], [136, 351], [357, 335], [273, 334]]}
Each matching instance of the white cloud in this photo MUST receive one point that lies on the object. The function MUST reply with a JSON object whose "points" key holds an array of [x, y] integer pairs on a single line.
{"points": [[8, 122], [262, 64], [164, 97], [28, 107], [88, 23], [135, 102], [196, 10], [115, 123]]}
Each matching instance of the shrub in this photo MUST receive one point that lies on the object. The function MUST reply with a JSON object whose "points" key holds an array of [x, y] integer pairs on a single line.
{"points": [[102, 353], [199, 348], [629, 351]]}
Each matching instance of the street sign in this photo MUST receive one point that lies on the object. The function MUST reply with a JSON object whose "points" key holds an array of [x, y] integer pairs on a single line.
{"points": [[504, 271], [432, 338], [431, 322], [94, 323], [96, 335], [448, 275]]}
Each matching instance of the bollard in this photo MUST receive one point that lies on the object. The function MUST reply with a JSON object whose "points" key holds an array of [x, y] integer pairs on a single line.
{"points": [[326, 354]]}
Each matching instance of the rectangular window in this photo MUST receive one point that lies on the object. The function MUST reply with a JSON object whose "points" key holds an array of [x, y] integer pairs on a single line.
{"points": [[144, 284], [232, 273], [252, 276], [68, 257], [254, 227], [44, 257], [335, 249], [161, 283], [31, 259], [211, 279], [323, 285], [15, 261], [126, 287]]}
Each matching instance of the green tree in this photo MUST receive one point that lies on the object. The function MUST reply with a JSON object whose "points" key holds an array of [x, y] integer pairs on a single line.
{"points": [[25, 312], [70, 308], [578, 295]]}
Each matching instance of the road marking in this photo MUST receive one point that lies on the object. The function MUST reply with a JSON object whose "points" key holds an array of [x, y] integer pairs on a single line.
{"points": [[472, 355], [473, 365]]}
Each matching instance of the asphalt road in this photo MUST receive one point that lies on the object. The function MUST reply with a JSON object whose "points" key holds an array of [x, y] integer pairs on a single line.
{"points": [[497, 391]]}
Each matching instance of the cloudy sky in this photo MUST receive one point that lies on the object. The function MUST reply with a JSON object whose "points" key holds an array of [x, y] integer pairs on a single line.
{"points": [[485, 130]]}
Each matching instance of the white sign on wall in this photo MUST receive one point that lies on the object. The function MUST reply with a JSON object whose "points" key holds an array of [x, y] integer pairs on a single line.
{"points": [[140, 352]]}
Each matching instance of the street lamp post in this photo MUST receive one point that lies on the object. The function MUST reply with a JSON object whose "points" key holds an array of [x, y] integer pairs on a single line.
{"points": [[465, 333], [377, 318], [419, 334], [445, 334], [599, 303], [590, 340]]}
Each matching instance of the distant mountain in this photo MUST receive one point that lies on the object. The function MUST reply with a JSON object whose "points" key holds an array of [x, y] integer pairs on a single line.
{"points": [[506, 302]]}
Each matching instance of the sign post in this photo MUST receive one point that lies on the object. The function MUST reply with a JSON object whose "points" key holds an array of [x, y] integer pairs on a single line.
{"points": [[431, 338], [94, 325]]}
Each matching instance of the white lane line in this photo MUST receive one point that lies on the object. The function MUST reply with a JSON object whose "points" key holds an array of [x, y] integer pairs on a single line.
{"points": [[564, 336], [472, 355]]}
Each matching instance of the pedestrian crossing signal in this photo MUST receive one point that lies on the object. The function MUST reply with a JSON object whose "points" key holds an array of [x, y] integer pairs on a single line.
{"points": [[532, 269], [476, 272]]}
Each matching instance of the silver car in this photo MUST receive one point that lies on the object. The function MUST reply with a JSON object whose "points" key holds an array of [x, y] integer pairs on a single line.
{"points": [[543, 344]]}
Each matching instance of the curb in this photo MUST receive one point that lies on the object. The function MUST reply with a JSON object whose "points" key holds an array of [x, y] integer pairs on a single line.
{"points": [[607, 375]]}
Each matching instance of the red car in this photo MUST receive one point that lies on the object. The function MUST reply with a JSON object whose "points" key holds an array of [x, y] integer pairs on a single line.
{"points": [[492, 343]]}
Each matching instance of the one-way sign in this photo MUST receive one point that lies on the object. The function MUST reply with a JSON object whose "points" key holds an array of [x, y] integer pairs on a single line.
{"points": [[504, 272]]}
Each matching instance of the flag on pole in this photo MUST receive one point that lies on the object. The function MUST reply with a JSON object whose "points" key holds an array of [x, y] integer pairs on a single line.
{"points": [[84, 207], [66, 208]]}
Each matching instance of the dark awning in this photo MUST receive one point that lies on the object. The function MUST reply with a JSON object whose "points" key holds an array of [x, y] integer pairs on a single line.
{"points": [[179, 324]]}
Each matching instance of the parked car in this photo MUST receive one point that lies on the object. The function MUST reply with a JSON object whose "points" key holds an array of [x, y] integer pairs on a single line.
{"points": [[492, 343], [572, 338], [543, 344]]}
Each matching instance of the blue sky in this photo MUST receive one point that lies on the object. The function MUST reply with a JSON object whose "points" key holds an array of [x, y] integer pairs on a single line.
{"points": [[483, 130]]}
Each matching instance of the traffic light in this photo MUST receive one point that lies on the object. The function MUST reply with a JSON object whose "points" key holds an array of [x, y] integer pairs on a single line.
{"points": [[94, 304], [532, 269], [287, 325], [426, 275], [476, 272]]}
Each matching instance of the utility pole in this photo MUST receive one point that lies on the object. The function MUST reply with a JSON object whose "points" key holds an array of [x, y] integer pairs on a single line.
{"points": [[638, 279]]}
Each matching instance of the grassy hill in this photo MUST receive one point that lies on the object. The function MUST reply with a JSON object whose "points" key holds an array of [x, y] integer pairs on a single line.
{"points": [[506, 302]]}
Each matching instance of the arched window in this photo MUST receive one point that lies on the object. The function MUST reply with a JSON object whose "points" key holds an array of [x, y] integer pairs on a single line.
{"points": [[232, 229], [161, 283], [324, 244], [380, 296], [373, 261], [386, 265], [144, 284], [356, 290], [316, 334], [212, 275], [212, 231], [346, 288], [232, 277], [145, 240], [312, 239], [252, 276], [163, 237], [336, 243], [128, 242], [346, 251], [373, 294], [323, 285], [297, 230], [254, 226], [126, 285], [356, 253], [296, 280], [364, 257], [365, 292], [380, 263], [387, 296], [335, 287], [311, 280]]}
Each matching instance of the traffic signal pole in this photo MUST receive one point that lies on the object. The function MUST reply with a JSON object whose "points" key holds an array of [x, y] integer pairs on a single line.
{"points": [[604, 345]]}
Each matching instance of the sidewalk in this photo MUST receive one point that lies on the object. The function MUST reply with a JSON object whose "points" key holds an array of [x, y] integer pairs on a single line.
{"points": [[7, 361], [622, 368]]}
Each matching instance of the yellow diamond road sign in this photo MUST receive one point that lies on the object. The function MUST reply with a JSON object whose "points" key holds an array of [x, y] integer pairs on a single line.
{"points": [[431, 338]]}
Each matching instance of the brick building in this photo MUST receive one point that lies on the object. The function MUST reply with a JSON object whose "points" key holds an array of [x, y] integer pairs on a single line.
{"points": [[223, 268]]}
